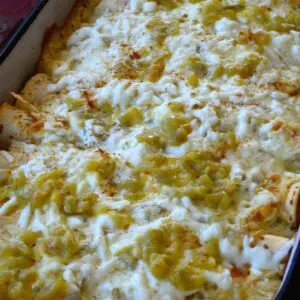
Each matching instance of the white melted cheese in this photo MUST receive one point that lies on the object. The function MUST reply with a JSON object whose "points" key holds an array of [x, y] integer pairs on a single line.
{"points": [[264, 197], [222, 280], [258, 257], [126, 145], [210, 232], [243, 127], [228, 28]]}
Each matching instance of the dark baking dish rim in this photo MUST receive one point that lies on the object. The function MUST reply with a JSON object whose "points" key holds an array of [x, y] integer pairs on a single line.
{"points": [[289, 288], [14, 38]]}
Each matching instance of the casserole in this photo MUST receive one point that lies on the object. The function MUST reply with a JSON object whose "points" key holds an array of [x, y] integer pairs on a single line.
{"points": [[147, 158]]}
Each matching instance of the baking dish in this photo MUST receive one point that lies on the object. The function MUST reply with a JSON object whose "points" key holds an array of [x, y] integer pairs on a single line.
{"points": [[23, 50]]}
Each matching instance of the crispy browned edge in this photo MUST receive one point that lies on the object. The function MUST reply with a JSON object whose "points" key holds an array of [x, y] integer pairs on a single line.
{"points": [[55, 37]]}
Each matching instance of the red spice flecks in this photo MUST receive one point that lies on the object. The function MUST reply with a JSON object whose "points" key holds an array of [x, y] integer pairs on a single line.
{"points": [[274, 177], [88, 97], [65, 123], [277, 125], [239, 273], [257, 216], [103, 153], [37, 126], [135, 55], [91, 103]]}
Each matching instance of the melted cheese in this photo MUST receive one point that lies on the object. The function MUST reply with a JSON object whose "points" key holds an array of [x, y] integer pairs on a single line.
{"points": [[258, 257]]}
